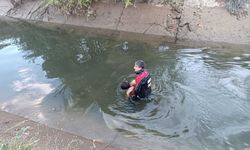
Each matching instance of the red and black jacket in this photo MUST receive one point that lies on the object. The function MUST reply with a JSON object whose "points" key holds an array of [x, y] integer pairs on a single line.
{"points": [[143, 85]]}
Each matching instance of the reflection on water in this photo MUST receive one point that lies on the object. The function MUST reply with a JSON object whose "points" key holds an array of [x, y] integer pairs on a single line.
{"points": [[200, 96]]}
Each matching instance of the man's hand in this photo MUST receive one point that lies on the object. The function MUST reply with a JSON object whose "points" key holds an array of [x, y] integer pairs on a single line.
{"points": [[130, 90], [132, 83]]}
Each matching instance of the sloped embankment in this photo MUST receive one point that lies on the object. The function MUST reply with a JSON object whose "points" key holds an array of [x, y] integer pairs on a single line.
{"points": [[186, 20]]}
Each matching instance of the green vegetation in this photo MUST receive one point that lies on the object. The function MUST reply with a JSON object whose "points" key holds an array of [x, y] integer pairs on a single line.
{"points": [[78, 7], [15, 146], [83, 7], [19, 142], [72, 7], [127, 3]]}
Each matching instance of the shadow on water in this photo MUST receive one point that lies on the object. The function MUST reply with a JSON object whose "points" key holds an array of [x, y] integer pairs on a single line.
{"points": [[200, 96]]}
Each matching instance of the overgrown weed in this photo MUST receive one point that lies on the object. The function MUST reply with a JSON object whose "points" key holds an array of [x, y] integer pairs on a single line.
{"points": [[19, 142]]}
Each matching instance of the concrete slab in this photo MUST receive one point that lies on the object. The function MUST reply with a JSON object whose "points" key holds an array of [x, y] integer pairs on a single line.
{"points": [[214, 25], [42, 137], [107, 18], [5, 6], [199, 20], [138, 19]]}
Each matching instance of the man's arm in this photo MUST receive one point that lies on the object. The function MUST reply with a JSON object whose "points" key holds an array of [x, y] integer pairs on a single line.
{"points": [[132, 83], [130, 90]]}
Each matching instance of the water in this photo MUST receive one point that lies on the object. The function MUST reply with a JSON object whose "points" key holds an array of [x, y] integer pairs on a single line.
{"points": [[200, 100]]}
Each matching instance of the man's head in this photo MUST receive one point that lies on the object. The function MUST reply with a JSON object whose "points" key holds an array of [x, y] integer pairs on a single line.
{"points": [[125, 85], [139, 64]]}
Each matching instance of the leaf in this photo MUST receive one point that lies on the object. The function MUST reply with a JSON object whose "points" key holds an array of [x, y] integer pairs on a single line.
{"points": [[127, 3]]}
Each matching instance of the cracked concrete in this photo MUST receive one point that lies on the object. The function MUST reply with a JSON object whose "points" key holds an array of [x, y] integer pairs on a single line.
{"points": [[119, 20], [213, 24], [205, 21], [5, 6], [111, 16]]}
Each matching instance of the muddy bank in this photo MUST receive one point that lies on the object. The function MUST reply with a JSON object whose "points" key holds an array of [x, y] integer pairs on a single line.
{"points": [[196, 21], [43, 137]]}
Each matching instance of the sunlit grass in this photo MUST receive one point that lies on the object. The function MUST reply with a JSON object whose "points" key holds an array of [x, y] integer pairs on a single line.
{"points": [[19, 142], [72, 7]]}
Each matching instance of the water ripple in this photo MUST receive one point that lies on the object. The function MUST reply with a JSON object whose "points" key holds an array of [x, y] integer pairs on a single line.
{"points": [[150, 116]]}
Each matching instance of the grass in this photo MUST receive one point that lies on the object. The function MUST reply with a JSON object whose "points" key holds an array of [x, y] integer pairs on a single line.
{"points": [[72, 7], [78, 7], [127, 3], [83, 7], [19, 142], [16, 146]]}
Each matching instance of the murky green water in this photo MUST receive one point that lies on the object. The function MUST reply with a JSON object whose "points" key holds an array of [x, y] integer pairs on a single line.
{"points": [[201, 96]]}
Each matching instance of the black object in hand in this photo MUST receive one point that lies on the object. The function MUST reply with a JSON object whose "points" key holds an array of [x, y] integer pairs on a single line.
{"points": [[125, 85]]}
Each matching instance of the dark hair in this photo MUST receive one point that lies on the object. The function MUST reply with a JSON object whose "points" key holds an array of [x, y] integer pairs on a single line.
{"points": [[125, 85], [140, 63]]}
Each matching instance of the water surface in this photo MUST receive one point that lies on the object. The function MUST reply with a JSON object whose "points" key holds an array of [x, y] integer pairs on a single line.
{"points": [[200, 100]]}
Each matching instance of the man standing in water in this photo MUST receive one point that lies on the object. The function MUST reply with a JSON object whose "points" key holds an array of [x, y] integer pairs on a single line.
{"points": [[140, 87]]}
